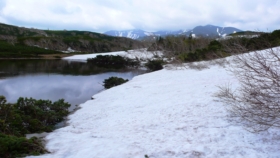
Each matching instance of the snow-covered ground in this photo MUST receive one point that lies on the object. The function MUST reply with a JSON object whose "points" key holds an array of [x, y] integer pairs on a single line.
{"points": [[142, 54], [84, 57], [169, 113]]}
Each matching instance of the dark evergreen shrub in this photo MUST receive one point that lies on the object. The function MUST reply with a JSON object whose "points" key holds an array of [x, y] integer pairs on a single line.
{"points": [[12, 146], [27, 116], [214, 45], [113, 81], [113, 61], [31, 116], [154, 65]]}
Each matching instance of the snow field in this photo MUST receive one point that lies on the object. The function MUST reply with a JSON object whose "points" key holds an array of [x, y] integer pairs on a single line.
{"points": [[168, 113]]}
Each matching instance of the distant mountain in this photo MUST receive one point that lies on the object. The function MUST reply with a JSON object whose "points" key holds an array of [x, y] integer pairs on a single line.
{"points": [[211, 30], [208, 30], [166, 33], [139, 34]]}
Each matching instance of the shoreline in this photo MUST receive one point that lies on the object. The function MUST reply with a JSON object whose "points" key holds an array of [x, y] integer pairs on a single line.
{"points": [[45, 56]]}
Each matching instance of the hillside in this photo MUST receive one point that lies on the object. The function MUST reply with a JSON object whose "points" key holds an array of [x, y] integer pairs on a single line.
{"points": [[28, 42], [247, 34]]}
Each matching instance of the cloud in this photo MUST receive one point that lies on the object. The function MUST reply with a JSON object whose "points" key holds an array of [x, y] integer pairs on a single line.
{"points": [[143, 14], [2, 4]]}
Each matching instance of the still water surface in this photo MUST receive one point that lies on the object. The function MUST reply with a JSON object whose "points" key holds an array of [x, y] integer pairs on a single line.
{"points": [[39, 81]]}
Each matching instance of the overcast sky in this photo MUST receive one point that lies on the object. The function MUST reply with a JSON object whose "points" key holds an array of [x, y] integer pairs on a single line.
{"points": [[149, 15]]}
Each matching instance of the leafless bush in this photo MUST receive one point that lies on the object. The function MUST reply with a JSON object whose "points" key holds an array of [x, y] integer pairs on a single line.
{"points": [[256, 103], [174, 47], [234, 45]]}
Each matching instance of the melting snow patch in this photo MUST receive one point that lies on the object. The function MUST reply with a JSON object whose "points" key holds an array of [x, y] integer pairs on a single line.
{"points": [[69, 50], [141, 54]]}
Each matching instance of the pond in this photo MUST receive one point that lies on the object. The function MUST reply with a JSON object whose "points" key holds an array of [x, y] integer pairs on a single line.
{"points": [[75, 82]]}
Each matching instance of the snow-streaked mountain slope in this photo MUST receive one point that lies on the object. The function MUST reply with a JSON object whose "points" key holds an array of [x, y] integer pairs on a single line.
{"points": [[133, 34], [169, 113], [139, 34], [207, 30], [211, 30]]}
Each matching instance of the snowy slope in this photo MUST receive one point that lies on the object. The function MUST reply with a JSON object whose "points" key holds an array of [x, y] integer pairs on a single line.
{"points": [[170, 113]]}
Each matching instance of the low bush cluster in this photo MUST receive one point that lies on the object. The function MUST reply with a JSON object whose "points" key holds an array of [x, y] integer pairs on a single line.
{"points": [[13, 146], [26, 116], [154, 65], [212, 51], [113, 81], [113, 62]]}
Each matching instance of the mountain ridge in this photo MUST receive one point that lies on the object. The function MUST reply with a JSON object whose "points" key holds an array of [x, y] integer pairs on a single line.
{"points": [[207, 30], [29, 42]]}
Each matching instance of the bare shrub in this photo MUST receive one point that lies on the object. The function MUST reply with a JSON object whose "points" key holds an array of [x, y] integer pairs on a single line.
{"points": [[176, 47], [256, 102], [234, 45]]}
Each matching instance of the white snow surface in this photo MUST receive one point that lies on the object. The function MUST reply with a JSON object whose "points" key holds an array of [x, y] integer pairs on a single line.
{"points": [[218, 32], [120, 34], [169, 113], [142, 54], [84, 57], [69, 50], [148, 33], [131, 35]]}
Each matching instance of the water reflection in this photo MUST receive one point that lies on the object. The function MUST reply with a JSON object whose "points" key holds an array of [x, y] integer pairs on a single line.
{"points": [[10, 68], [42, 84]]}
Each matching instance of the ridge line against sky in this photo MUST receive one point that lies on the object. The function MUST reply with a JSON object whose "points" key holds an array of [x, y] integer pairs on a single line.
{"points": [[104, 15]]}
